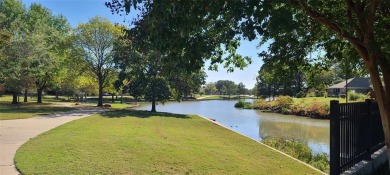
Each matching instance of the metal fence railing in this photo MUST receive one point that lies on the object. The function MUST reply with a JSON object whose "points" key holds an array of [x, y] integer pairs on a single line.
{"points": [[355, 133]]}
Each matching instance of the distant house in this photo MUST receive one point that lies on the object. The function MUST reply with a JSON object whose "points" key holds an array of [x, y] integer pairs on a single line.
{"points": [[360, 85]]}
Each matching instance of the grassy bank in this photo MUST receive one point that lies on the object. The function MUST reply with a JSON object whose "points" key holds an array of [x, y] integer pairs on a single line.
{"points": [[315, 107], [138, 142]]}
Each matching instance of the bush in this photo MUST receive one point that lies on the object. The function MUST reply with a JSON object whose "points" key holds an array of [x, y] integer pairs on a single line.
{"points": [[353, 96], [283, 102], [286, 111], [317, 110], [239, 104], [300, 151], [245, 105], [297, 109], [261, 104]]}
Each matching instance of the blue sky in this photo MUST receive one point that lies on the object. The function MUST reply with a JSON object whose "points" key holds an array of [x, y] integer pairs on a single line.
{"points": [[79, 11]]}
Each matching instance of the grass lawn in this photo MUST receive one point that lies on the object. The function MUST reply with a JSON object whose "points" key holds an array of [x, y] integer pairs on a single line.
{"points": [[28, 110], [139, 142], [308, 100]]}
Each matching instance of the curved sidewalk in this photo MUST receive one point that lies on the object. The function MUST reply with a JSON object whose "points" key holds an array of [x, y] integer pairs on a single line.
{"points": [[14, 133]]}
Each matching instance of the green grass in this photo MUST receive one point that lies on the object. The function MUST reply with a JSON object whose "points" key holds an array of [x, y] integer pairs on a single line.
{"points": [[139, 142], [30, 109], [308, 100], [127, 105]]}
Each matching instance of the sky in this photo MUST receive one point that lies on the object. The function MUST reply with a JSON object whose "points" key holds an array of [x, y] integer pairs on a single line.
{"points": [[80, 11]]}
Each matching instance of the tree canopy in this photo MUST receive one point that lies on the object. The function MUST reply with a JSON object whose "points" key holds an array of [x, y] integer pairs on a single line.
{"points": [[293, 29], [95, 41]]}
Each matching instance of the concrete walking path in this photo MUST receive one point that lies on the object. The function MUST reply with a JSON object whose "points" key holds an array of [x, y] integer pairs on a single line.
{"points": [[14, 133]]}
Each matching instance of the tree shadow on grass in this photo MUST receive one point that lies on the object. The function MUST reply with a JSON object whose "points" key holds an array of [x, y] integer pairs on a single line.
{"points": [[140, 114], [31, 108]]}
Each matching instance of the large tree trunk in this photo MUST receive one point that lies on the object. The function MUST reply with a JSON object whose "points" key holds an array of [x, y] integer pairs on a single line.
{"points": [[25, 96], [153, 104], [39, 99], [14, 97], [383, 99], [100, 100], [112, 99], [56, 94]]}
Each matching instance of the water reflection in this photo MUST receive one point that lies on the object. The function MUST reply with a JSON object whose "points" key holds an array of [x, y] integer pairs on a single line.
{"points": [[313, 132], [255, 124]]}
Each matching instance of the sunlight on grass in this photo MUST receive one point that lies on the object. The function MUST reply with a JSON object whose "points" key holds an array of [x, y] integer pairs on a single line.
{"points": [[139, 142], [22, 110], [28, 110], [308, 100]]}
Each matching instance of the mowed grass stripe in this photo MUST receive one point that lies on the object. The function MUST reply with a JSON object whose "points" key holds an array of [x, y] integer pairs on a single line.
{"points": [[139, 142]]}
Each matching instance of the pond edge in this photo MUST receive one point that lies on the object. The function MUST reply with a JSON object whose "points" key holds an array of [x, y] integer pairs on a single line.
{"points": [[219, 124]]}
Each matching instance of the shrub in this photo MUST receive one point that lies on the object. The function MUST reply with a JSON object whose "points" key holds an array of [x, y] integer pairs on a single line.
{"points": [[286, 111], [297, 109], [261, 104], [283, 102], [239, 104], [320, 161], [354, 96], [317, 109], [242, 104]]}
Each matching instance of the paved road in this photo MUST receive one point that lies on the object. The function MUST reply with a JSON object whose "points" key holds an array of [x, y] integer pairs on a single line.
{"points": [[13, 133]]}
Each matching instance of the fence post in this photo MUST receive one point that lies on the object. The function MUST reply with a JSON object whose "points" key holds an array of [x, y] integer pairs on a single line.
{"points": [[369, 135], [334, 137]]}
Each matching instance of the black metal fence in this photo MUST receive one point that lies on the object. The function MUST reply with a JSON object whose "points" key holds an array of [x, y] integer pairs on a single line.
{"points": [[355, 133]]}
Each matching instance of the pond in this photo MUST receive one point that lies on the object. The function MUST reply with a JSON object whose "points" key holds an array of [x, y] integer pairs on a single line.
{"points": [[255, 124]]}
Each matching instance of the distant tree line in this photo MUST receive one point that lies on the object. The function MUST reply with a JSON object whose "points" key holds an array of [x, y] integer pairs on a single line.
{"points": [[225, 87]]}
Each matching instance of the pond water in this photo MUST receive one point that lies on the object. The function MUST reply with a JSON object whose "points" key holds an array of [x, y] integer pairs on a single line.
{"points": [[256, 124]]}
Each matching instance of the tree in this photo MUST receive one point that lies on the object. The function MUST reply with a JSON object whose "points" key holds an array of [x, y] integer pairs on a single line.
{"points": [[241, 90], [144, 70], [15, 55], [292, 27], [230, 88], [186, 83], [95, 40], [210, 88], [48, 33]]}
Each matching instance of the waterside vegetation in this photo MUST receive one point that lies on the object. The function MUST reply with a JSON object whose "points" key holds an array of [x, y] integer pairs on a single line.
{"points": [[314, 107], [300, 151]]}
